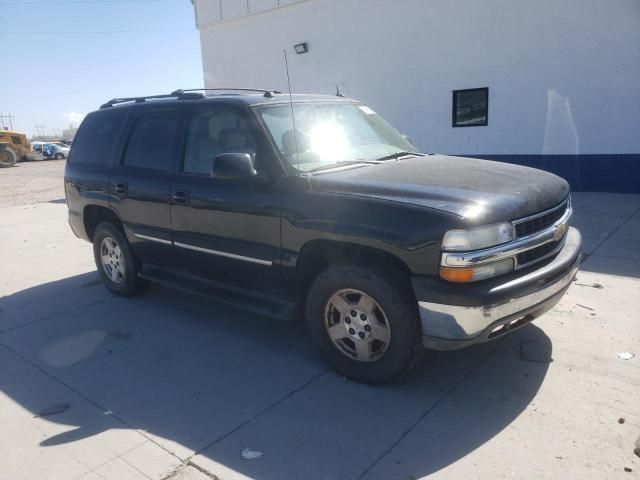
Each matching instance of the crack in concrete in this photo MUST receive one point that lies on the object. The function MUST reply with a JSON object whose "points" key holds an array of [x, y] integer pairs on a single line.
{"points": [[615, 230], [201, 470], [175, 471], [189, 460], [180, 468], [429, 410], [260, 413]]}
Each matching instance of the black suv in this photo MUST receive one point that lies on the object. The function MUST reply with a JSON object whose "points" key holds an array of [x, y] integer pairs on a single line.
{"points": [[269, 201]]}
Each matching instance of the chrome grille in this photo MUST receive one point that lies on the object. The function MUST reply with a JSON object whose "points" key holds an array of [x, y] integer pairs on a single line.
{"points": [[538, 253], [548, 234], [536, 223]]}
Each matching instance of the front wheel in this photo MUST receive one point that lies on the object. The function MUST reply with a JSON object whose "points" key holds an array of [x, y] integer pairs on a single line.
{"points": [[8, 158], [364, 323], [117, 265], [59, 156]]}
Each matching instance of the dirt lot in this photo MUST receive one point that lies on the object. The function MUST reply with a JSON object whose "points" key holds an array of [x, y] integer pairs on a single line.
{"points": [[172, 386], [32, 182]]}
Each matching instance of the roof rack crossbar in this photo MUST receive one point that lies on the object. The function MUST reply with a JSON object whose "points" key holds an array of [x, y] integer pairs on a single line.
{"points": [[185, 93], [115, 101], [267, 93]]}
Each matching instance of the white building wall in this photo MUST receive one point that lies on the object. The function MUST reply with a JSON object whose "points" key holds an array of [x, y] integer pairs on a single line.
{"points": [[563, 75]]}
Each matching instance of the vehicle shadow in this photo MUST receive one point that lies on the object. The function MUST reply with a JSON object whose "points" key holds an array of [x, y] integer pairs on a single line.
{"points": [[202, 378]]}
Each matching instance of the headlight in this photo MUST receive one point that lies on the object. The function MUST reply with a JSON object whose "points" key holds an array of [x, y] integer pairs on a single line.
{"points": [[480, 272], [478, 237]]}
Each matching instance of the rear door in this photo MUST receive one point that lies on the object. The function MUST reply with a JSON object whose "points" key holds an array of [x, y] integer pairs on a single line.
{"points": [[87, 170], [140, 185], [226, 230]]}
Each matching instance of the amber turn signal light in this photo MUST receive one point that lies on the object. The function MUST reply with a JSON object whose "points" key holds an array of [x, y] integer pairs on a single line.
{"points": [[456, 274]]}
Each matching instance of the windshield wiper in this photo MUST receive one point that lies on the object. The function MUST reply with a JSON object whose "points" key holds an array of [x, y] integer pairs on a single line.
{"points": [[342, 164], [398, 155]]}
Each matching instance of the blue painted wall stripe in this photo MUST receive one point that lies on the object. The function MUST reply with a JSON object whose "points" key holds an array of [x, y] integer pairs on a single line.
{"points": [[585, 173]]}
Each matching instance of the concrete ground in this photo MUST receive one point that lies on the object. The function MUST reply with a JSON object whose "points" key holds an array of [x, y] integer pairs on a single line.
{"points": [[170, 385]]}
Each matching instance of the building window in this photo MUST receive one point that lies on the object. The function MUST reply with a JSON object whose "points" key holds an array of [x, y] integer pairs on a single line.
{"points": [[471, 107]]}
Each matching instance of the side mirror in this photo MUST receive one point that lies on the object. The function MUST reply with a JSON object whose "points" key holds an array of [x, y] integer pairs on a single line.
{"points": [[233, 166]]}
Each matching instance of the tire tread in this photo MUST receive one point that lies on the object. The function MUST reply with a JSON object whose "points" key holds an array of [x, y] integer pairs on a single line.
{"points": [[401, 294]]}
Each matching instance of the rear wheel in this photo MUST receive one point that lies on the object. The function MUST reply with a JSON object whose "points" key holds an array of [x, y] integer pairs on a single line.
{"points": [[8, 157], [59, 156], [364, 323], [117, 265]]}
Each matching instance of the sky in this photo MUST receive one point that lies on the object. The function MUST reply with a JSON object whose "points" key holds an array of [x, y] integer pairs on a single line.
{"points": [[64, 58]]}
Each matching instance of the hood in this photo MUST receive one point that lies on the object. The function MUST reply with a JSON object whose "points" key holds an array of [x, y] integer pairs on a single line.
{"points": [[478, 191]]}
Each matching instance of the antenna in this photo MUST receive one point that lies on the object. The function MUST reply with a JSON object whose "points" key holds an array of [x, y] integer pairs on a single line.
{"points": [[338, 92], [293, 117]]}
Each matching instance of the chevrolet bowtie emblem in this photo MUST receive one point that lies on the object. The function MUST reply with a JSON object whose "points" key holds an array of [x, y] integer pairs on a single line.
{"points": [[560, 231]]}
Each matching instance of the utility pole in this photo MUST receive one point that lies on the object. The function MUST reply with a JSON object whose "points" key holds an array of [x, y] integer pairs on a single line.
{"points": [[40, 130], [8, 117]]}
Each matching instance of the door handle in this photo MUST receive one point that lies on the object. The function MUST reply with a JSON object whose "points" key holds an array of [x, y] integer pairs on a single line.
{"points": [[181, 197], [120, 188]]}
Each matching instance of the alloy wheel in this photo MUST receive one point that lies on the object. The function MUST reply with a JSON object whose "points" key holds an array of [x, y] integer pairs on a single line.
{"points": [[357, 325], [113, 262]]}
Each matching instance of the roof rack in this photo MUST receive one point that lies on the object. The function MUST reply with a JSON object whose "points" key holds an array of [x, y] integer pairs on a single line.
{"points": [[115, 101], [185, 94], [267, 93]]}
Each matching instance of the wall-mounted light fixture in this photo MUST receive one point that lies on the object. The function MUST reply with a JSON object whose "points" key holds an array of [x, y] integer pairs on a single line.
{"points": [[301, 48]]}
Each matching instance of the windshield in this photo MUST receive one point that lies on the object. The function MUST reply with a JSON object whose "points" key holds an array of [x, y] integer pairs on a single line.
{"points": [[332, 133]]}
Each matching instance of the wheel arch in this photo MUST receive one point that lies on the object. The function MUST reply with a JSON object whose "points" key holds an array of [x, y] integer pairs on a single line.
{"points": [[316, 255], [93, 215]]}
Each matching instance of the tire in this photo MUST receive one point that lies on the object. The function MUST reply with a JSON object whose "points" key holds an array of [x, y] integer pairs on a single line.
{"points": [[8, 158], [119, 270], [390, 313], [58, 156]]}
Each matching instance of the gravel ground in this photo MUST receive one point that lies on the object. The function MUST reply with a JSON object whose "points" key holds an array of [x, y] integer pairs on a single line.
{"points": [[32, 182]]}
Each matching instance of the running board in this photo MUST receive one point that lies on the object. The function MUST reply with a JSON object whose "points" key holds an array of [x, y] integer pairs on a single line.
{"points": [[258, 303]]}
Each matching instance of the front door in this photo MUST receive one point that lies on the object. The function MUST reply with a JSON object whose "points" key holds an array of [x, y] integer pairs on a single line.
{"points": [[140, 185], [226, 230]]}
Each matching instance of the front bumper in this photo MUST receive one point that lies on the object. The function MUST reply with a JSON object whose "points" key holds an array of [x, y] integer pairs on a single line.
{"points": [[455, 316]]}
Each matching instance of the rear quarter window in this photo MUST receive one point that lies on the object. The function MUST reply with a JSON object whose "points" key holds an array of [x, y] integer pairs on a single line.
{"points": [[96, 138]]}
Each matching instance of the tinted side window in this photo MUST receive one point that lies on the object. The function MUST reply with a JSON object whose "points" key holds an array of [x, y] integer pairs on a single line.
{"points": [[16, 140], [215, 130], [153, 140], [95, 140]]}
